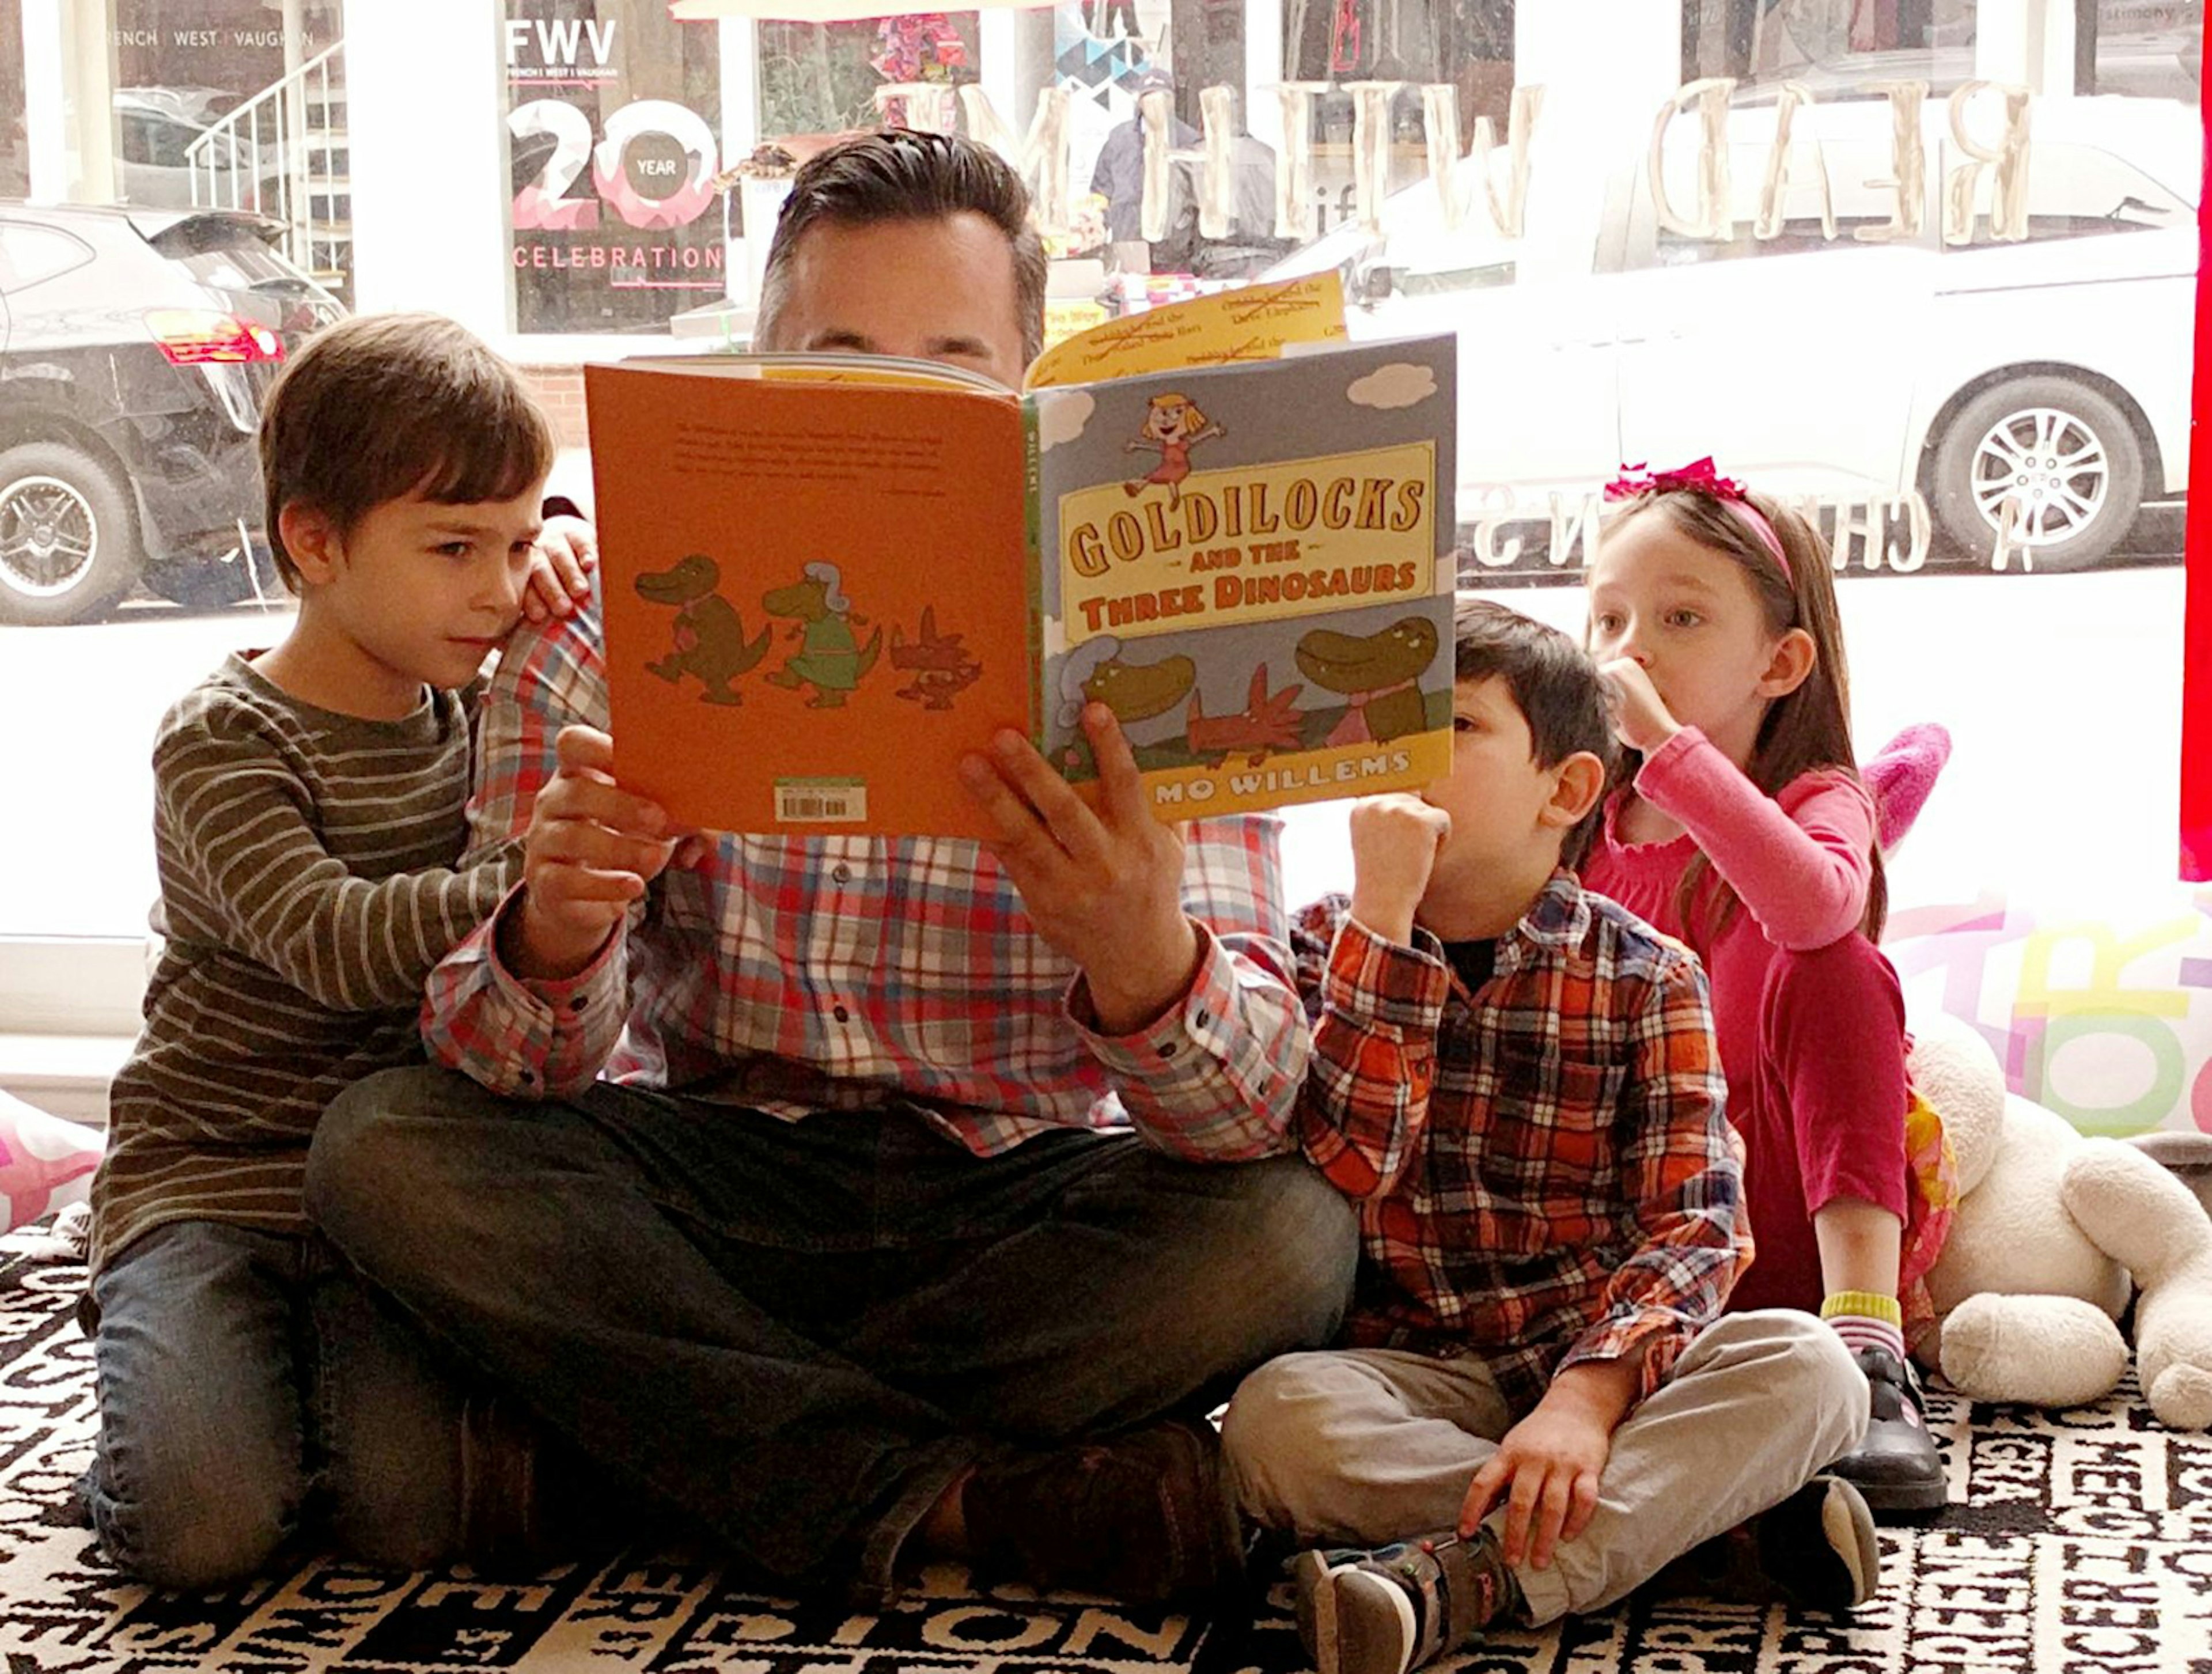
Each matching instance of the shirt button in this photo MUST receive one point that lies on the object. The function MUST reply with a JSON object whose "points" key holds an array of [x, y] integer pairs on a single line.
{"points": [[843, 875], [576, 1004], [526, 1079], [841, 1014], [1201, 1018]]}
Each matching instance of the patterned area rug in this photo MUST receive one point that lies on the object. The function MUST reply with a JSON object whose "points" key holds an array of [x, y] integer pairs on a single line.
{"points": [[2075, 1544]]}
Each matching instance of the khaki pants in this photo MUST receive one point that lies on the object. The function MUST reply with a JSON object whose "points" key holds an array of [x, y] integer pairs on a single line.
{"points": [[1364, 1446]]}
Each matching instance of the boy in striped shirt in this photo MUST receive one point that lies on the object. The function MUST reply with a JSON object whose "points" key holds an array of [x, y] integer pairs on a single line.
{"points": [[309, 822], [1541, 1406]]}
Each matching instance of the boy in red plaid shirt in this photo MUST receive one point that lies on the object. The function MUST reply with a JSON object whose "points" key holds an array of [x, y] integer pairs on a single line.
{"points": [[1517, 1081]]}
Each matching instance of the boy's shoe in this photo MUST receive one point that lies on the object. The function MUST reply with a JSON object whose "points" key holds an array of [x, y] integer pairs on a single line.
{"points": [[1817, 1550], [1142, 1517], [1398, 1607], [1897, 1467]]}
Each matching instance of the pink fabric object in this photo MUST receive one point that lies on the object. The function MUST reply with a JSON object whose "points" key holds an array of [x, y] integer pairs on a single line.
{"points": [[1900, 775], [45, 1163]]}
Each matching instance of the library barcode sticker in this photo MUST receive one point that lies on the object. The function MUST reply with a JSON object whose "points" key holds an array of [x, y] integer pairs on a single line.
{"points": [[829, 801]]}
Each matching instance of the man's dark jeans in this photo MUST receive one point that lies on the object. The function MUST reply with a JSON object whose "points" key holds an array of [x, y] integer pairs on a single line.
{"points": [[799, 1334]]}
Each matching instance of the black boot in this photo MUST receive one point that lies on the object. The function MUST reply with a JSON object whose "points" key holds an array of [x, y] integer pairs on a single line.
{"points": [[1817, 1550], [1897, 1467]]}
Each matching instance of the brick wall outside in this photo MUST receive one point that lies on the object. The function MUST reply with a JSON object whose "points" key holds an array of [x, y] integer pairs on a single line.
{"points": [[560, 390]]}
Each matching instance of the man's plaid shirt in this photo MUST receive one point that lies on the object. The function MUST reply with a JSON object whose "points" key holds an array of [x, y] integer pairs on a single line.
{"points": [[1544, 1169], [794, 975]]}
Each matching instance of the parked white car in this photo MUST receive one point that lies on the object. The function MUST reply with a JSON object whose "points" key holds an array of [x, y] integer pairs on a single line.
{"points": [[156, 129], [2053, 371]]}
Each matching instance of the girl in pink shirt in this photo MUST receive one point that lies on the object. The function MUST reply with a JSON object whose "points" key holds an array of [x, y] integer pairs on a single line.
{"points": [[1746, 831]]}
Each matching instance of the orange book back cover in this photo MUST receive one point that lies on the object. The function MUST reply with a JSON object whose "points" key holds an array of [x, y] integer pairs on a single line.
{"points": [[817, 596]]}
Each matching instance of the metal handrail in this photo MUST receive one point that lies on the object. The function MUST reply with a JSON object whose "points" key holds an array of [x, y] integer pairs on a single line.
{"points": [[224, 163]]}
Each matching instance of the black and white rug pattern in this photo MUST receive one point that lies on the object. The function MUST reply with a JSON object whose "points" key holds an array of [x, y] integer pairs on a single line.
{"points": [[2076, 1543]]}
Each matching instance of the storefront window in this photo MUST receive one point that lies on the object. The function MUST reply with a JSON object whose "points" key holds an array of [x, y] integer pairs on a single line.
{"points": [[824, 78], [221, 105], [2145, 48], [613, 121], [1963, 273], [15, 136]]}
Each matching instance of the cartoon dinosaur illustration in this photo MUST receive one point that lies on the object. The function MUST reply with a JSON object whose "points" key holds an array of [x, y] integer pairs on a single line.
{"points": [[829, 658], [1095, 673], [1266, 725], [1378, 671], [710, 636], [940, 665]]}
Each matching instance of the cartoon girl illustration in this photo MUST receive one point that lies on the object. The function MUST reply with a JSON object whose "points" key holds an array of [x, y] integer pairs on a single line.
{"points": [[1173, 426]]}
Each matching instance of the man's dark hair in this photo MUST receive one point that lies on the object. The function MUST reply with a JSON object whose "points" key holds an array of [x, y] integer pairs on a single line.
{"points": [[1554, 686], [383, 405], [902, 174]]}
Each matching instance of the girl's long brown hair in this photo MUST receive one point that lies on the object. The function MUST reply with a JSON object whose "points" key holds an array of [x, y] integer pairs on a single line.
{"points": [[1804, 729]]}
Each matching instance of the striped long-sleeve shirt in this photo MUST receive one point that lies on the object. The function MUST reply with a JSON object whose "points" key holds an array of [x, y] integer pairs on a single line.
{"points": [[309, 885], [798, 974], [1544, 1170]]}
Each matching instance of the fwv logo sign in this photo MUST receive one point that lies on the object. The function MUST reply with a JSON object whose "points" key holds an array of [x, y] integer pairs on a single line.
{"points": [[557, 50]]}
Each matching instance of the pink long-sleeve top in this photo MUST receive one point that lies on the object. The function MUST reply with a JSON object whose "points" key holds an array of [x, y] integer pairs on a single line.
{"points": [[1799, 861]]}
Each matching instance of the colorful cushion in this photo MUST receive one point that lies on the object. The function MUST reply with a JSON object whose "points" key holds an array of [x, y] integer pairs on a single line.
{"points": [[2104, 1017], [45, 1163]]}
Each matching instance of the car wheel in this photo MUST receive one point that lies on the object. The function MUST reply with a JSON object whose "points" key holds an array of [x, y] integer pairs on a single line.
{"points": [[68, 544], [2066, 452], [205, 584]]}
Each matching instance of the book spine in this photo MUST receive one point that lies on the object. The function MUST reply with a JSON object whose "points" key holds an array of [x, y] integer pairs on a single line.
{"points": [[1034, 560]]}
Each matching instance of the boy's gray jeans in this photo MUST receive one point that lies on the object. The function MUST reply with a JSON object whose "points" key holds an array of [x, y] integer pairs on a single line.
{"points": [[1365, 1446], [799, 1334]]}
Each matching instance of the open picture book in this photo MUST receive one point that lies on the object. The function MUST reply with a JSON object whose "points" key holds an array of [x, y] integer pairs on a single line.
{"points": [[826, 578]]}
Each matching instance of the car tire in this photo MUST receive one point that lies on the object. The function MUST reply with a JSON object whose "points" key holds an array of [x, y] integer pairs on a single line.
{"points": [[204, 584], [69, 542], [2070, 450]]}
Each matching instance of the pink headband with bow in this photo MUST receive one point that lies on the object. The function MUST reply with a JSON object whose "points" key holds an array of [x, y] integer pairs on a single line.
{"points": [[1699, 477]]}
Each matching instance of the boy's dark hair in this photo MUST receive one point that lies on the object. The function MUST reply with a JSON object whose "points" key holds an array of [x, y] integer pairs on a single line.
{"points": [[903, 174], [1554, 686], [380, 406]]}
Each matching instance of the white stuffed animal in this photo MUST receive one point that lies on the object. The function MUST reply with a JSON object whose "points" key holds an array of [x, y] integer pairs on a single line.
{"points": [[2050, 1229]]}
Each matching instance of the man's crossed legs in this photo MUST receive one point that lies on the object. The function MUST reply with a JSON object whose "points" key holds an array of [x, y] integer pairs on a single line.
{"points": [[812, 1338]]}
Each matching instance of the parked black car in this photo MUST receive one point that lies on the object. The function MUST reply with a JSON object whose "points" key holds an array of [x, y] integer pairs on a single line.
{"points": [[136, 346]]}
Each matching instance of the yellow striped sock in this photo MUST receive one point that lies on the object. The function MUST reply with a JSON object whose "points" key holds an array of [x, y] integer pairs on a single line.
{"points": [[1866, 1319], [1867, 1305]]}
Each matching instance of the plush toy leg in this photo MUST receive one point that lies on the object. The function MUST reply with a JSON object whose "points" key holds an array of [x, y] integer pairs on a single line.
{"points": [[2043, 1351], [2152, 1224]]}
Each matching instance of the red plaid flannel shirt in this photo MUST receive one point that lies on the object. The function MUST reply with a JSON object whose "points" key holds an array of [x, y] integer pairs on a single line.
{"points": [[794, 975], [1544, 1170]]}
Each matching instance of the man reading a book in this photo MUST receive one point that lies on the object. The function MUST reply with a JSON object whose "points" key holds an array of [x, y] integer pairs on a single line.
{"points": [[934, 1189]]}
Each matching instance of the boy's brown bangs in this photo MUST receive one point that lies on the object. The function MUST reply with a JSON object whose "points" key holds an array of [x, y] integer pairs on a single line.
{"points": [[485, 461]]}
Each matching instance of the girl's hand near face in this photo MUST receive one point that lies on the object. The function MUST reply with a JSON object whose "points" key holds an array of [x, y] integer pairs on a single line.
{"points": [[1641, 719]]}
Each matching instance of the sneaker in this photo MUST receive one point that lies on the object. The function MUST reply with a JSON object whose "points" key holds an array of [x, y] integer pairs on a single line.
{"points": [[1142, 1517], [1817, 1550], [1897, 1467], [1399, 1607]]}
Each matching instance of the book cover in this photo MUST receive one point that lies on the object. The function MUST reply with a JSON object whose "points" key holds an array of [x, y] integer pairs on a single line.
{"points": [[827, 579], [1250, 568], [817, 597]]}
